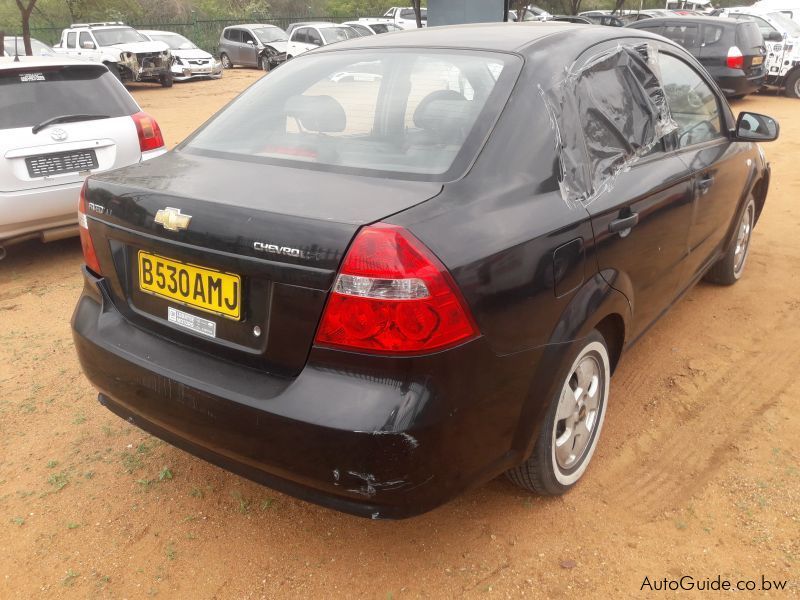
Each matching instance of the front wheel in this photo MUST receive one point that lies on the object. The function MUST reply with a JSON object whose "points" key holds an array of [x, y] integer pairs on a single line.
{"points": [[728, 269], [166, 80], [793, 84], [263, 62], [226, 61], [572, 425]]}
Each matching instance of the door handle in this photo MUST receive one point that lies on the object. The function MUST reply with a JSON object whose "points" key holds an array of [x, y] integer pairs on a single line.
{"points": [[705, 183], [623, 223]]}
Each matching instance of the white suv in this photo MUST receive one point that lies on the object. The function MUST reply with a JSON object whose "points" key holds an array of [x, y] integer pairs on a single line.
{"points": [[125, 51], [61, 120]]}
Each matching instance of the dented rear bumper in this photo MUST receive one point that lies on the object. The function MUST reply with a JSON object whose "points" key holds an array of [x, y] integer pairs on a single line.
{"points": [[341, 434]]}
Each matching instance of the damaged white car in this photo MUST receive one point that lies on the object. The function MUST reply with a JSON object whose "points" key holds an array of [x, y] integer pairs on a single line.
{"points": [[126, 52], [189, 61]]}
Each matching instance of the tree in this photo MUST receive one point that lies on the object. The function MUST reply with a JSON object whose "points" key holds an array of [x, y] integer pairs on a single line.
{"points": [[417, 5], [25, 11]]}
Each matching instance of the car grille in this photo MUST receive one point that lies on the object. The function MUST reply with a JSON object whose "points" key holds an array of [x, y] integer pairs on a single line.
{"points": [[150, 60], [61, 162], [202, 63]]}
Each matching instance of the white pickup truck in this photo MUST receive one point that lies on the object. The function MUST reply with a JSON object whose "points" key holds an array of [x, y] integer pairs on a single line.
{"points": [[126, 52], [403, 17]]}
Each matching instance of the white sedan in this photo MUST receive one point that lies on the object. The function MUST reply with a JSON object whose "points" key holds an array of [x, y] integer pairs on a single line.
{"points": [[62, 119], [189, 61]]}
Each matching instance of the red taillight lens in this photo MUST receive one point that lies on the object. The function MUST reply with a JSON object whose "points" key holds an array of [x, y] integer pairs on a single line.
{"points": [[89, 255], [150, 137], [393, 296], [735, 58]]}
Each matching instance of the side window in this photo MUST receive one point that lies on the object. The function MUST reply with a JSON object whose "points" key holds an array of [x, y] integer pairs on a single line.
{"points": [[687, 36], [301, 35], [314, 37], [763, 26], [85, 37], [692, 102], [71, 39], [711, 35], [651, 28], [248, 37]]}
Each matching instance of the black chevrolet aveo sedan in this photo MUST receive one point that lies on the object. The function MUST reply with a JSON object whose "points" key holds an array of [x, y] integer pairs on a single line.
{"points": [[399, 266]]}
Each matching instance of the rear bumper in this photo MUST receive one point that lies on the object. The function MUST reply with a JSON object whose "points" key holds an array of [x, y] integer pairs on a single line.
{"points": [[735, 82], [380, 438], [38, 210]]}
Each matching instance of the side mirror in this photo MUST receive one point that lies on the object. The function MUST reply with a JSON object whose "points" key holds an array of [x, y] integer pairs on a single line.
{"points": [[87, 45], [774, 36], [250, 42], [753, 127]]}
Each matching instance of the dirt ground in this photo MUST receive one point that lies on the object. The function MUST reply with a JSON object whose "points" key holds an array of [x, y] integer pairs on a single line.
{"points": [[697, 472]]}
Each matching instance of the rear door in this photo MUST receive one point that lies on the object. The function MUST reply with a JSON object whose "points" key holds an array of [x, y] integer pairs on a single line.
{"points": [[702, 143], [641, 221]]}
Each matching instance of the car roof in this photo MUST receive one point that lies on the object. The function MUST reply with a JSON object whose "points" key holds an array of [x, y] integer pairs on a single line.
{"points": [[158, 32], [687, 19], [34, 62], [505, 37], [251, 25]]}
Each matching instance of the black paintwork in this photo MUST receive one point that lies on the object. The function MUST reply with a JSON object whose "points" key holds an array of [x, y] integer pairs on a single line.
{"points": [[393, 437], [713, 55]]}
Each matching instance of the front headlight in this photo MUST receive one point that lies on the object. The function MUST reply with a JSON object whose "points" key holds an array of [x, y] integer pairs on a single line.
{"points": [[125, 56]]}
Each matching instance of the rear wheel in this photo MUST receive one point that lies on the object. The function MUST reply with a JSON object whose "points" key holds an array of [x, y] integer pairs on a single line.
{"points": [[737, 97], [793, 84], [569, 435], [728, 270], [226, 61], [166, 80]]}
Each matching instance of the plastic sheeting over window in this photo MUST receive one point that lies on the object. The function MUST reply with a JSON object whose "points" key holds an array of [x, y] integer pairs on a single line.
{"points": [[606, 115]]}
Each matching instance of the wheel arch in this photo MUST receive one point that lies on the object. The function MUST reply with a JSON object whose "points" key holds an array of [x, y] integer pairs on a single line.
{"points": [[596, 305]]}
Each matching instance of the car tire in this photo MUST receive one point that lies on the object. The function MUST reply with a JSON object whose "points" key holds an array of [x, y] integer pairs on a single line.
{"points": [[572, 425], [737, 97], [793, 84], [166, 80], [263, 62], [728, 269], [226, 61]]}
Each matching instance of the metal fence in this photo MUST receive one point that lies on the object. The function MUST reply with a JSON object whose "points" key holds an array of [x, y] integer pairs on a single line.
{"points": [[204, 33]]}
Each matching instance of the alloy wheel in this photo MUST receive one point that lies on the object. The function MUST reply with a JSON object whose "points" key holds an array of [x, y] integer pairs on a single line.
{"points": [[743, 239]]}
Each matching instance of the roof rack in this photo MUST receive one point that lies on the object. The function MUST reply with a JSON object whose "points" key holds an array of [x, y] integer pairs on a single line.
{"points": [[105, 24]]}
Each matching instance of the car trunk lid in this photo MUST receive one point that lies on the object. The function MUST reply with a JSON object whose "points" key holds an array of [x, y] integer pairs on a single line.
{"points": [[273, 235]]}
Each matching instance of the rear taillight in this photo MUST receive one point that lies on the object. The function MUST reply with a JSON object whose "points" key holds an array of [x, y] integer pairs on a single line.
{"points": [[89, 255], [149, 132], [735, 58], [393, 296]]}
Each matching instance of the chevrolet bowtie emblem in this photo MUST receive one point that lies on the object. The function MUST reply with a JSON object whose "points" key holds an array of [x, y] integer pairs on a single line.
{"points": [[172, 219]]}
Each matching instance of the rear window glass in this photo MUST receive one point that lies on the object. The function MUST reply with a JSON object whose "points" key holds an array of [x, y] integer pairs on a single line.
{"points": [[749, 36], [687, 36], [711, 34], [413, 114], [31, 96]]}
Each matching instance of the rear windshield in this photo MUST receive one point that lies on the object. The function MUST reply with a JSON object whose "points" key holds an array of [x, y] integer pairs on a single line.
{"points": [[30, 96], [408, 13], [749, 35], [411, 114]]}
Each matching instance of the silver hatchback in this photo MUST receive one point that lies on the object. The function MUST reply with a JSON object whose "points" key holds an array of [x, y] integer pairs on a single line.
{"points": [[253, 45]]}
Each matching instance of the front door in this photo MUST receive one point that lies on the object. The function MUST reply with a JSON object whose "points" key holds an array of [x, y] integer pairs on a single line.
{"points": [[702, 143]]}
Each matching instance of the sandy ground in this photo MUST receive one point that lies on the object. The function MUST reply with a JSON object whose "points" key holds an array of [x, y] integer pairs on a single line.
{"points": [[696, 474]]}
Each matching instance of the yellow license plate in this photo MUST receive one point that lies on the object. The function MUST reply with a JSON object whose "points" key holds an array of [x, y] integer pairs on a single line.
{"points": [[757, 60], [206, 289]]}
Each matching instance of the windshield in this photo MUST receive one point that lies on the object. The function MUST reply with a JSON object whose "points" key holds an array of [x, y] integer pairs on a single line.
{"points": [[32, 96], [338, 34], [270, 34], [420, 114], [173, 40], [785, 23], [118, 35]]}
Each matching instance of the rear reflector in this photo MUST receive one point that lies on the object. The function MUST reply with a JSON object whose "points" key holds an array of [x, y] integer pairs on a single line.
{"points": [[735, 58], [393, 296], [89, 255], [149, 132]]}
